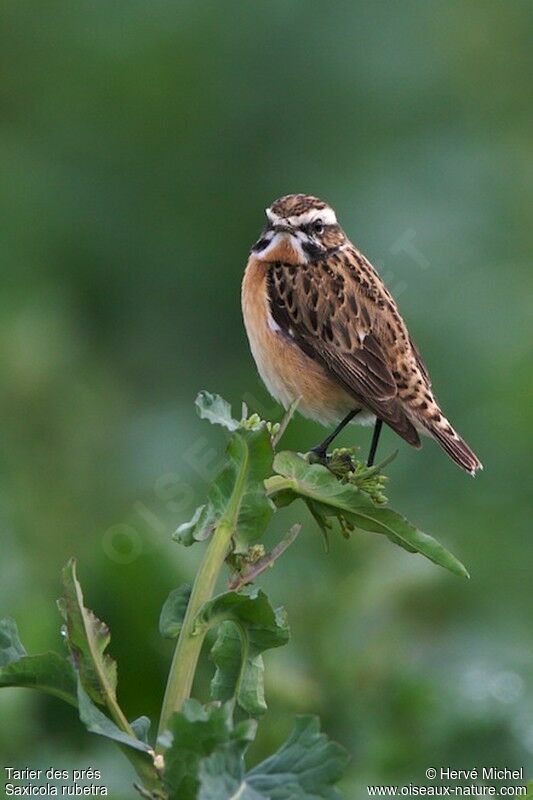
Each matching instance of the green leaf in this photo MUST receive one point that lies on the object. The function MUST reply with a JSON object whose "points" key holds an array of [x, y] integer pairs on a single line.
{"points": [[253, 451], [306, 767], [249, 626], [222, 776], [198, 528], [87, 638], [47, 672], [331, 498], [241, 481], [141, 728], [214, 408], [173, 612], [96, 722], [196, 733], [11, 648], [205, 760]]}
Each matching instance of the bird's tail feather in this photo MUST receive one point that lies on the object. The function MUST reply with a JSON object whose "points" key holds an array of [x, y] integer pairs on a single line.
{"points": [[457, 448]]}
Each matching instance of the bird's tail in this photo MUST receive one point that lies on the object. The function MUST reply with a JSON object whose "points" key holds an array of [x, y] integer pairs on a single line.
{"points": [[451, 443]]}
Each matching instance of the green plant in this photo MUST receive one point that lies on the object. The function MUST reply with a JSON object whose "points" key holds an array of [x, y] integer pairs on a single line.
{"points": [[199, 751]]}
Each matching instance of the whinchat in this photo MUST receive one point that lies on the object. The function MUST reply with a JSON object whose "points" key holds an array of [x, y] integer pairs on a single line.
{"points": [[324, 330]]}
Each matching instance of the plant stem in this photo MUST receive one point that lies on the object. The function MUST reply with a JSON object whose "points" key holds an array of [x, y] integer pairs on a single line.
{"points": [[146, 771], [249, 574], [189, 645], [190, 642]]}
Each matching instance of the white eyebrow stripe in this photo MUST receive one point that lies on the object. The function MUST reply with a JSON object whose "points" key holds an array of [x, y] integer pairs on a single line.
{"points": [[327, 215]]}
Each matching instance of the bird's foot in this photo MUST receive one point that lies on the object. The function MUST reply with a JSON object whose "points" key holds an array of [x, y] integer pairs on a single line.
{"points": [[340, 462], [346, 462]]}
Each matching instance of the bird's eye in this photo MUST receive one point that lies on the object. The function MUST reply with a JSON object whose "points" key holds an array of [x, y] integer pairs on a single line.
{"points": [[318, 226]]}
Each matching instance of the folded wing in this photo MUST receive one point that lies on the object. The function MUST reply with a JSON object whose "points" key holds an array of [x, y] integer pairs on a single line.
{"points": [[332, 323]]}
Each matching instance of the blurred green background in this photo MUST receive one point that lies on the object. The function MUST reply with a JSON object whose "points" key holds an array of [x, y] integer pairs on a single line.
{"points": [[140, 143]]}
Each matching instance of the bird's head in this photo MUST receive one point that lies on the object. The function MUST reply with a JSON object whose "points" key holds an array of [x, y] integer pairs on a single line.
{"points": [[299, 229]]}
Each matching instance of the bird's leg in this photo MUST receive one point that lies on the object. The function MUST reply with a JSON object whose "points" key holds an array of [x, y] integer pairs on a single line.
{"points": [[375, 440], [321, 449]]}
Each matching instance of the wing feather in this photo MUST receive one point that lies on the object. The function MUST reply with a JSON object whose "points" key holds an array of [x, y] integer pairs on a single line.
{"points": [[322, 313], [420, 362]]}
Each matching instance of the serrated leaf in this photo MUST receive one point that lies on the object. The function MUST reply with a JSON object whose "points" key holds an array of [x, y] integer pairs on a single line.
{"points": [[331, 498], [214, 408], [241, 484], [221, 776], [249, 626], [96, 722], [197, 732], [87, 639], [173, 612], [47, 672], [306, 767]]}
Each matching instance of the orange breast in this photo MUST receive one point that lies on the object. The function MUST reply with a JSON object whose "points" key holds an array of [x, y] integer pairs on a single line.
{"points": [[287, 371]]}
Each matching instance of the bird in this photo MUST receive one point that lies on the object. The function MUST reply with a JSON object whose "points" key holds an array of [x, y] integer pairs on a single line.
{"points": [[325, 332]]}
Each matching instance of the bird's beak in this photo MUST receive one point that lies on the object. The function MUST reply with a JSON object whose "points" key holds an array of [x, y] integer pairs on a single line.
{"points": [[281, 246], [282, 228]]}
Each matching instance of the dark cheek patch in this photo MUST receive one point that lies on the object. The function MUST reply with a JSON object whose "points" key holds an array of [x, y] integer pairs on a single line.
{"points": [[261, 244]]}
